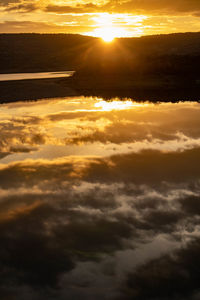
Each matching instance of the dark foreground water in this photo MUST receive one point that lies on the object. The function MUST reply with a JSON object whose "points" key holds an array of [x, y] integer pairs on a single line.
{"points": [[99, 200]]}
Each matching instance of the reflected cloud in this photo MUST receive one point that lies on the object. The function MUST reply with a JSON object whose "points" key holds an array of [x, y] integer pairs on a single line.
{"points": [[94, 126], [173, 276], [99, 201]]}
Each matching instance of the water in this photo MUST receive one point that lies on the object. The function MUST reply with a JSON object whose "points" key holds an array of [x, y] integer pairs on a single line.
{"points": [[99, 200], [44, 75]]}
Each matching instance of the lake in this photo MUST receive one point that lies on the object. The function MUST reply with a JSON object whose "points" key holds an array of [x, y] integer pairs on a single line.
{"points": [[99, 199], [43, 75]]}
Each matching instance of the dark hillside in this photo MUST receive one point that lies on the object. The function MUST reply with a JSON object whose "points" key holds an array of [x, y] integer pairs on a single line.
{"points": [[41, 52], [162, 66], [54, 52]]}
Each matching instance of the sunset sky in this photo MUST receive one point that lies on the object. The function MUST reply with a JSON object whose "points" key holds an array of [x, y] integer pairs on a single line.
{"points": [[121, 18]]}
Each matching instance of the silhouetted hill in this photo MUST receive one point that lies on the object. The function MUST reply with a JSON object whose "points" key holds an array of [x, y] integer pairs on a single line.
{"points": [[41, 52], [174, 55], [54, 52], [151, 67]]}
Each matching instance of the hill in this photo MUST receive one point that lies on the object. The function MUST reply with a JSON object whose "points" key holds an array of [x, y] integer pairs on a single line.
{"points": [[56, 52]]}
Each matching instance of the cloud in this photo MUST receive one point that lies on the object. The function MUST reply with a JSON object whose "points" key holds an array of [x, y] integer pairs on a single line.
{"points": [[27, 7], [133, 6], [63, 9], [160, 16], [91, 226], [79, 9], [20, 6], [7, 2], [147, 167], [155, 6], [172, 276], [53, 219]]}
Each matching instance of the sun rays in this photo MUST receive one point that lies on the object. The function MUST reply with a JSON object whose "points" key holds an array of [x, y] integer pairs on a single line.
{"points": [[110, 26]]}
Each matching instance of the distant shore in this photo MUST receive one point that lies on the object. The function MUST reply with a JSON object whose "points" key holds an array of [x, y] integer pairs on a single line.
{"points": [[143, 89]]}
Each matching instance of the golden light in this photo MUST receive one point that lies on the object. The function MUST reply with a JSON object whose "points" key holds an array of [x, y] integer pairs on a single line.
{"points": [[107, 37], [110, 26], [107, 34], [118, 105], [105, 29]]}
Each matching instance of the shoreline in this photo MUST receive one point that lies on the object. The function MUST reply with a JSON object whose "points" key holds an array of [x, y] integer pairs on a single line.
{"points": [[144, 89], [34, 89]]}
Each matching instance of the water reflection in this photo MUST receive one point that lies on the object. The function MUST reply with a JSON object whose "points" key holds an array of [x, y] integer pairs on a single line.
{"points": [[99, 200], [25, 76]]}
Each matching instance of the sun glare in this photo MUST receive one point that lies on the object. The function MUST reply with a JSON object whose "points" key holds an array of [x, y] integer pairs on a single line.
{"points": [[117, 105], [110, 26], [107, 34], [106, 30], [108, 38]]}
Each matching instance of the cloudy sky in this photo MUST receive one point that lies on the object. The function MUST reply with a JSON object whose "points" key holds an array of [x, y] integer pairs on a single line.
{"points": [[121, 17]]}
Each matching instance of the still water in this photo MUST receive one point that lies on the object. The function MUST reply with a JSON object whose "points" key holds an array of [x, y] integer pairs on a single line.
{"points": [[25, 76], [99, 200]]}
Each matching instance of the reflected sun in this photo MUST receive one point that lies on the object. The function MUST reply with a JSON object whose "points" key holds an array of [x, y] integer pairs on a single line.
{"points": [[117, 105]]}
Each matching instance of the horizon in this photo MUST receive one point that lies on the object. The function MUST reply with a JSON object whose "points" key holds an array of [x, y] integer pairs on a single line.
{"points": [[99, 37], [106, 38]]}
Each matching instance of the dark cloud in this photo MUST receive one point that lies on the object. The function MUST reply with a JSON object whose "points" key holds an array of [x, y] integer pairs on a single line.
{"points": [[6, 2], [81, 227], [29, 252], [191, 204], [27, 7], [146, 167], [155, 6], [50, 223], [79, 8], [63, 9], [42, 241], [172, 276], [133, 6]]}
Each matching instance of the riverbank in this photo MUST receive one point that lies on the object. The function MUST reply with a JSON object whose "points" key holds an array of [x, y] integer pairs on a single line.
{"points": [[34, 89], [153, 89]]}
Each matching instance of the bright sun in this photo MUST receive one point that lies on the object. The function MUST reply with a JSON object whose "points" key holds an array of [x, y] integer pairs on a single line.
{"points": [[106, 29], [107, 35], [108, 26]]}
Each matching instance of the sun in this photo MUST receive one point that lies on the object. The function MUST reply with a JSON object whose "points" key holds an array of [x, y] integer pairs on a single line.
{"points": [[105, 27], [109, 26], [107, 35]]}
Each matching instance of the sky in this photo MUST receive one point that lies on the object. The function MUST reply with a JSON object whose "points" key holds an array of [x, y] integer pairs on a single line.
{"points": [[120, 18]]}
